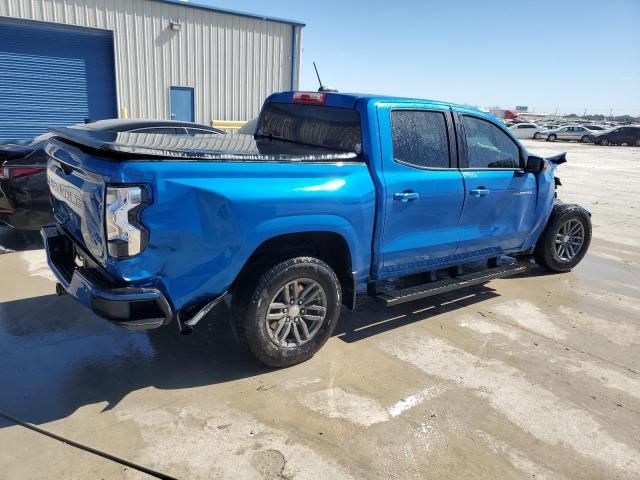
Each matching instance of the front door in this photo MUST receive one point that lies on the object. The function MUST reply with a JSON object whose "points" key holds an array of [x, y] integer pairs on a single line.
{"points": [[423, 189], [500, 197], [182, 104]]}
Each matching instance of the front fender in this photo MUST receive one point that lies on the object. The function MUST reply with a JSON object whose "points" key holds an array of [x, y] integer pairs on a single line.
{"points": [[546, 199]]}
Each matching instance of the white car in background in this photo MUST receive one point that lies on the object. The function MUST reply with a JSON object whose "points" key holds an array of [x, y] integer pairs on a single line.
{"points": [[568, 132], [526, 130]]}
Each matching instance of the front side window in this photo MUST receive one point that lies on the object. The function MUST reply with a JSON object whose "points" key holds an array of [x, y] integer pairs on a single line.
{"points": [[488, 146], [420, 138]]}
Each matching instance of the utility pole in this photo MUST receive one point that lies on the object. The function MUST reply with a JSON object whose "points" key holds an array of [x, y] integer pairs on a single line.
{"points": [[610, 113]]}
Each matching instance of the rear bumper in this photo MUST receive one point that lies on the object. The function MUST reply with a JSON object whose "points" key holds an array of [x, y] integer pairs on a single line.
{"points": [[131, 307]]}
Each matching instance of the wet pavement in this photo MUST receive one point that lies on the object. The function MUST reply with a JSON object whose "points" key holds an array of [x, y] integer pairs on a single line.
{"points": [[529, 377]]}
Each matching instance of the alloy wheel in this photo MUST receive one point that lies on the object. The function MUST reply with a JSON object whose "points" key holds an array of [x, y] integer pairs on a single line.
{"points": [[569, 240], [296, 313]]}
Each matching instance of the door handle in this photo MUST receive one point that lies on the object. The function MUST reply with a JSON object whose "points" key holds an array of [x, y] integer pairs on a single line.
{"points": [[479, 192], [406, 196]]}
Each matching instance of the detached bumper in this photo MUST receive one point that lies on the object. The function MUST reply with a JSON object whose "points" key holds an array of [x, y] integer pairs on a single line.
{"points": [[131, 307]]}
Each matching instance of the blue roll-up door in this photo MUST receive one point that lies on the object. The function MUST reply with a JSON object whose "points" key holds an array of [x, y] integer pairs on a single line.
{"points": [[53, 75]]}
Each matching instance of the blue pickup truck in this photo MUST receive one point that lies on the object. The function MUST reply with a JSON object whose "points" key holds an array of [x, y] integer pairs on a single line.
{"points": [[334, 194]]}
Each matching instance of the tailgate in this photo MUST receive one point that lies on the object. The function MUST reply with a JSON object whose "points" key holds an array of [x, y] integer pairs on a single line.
{"points": [[77, 197]]}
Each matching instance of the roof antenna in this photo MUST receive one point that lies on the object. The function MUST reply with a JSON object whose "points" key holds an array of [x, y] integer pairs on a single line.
{"points": [[323, 88]]}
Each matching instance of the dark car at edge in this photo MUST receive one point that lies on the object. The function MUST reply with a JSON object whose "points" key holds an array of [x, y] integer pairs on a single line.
{"points": [[24, 194]]}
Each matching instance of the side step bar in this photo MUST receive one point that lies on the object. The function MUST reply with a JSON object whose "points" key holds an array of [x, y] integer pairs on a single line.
{"points": [[396, 297]]}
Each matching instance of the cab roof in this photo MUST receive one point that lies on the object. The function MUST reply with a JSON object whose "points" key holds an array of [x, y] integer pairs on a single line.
{"points": [[349, 100]]}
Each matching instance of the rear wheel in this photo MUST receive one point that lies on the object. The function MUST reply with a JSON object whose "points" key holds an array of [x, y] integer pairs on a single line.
{"points": [[585, 139], [565, 240], [552, 138], [535, 136], [289, 313], [638, 143]]}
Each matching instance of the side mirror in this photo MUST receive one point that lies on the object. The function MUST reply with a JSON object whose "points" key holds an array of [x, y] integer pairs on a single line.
{"points": [[534, 164]]}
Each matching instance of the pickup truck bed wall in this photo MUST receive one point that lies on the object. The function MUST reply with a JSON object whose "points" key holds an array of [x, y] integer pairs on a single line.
{"points": [[206, 218]]}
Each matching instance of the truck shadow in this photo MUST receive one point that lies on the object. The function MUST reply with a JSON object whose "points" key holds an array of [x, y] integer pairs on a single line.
{"points": [[56, 357]]}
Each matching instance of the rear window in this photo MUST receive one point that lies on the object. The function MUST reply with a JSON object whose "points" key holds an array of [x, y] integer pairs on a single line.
{"points": [[317, 125], [420, 138]]}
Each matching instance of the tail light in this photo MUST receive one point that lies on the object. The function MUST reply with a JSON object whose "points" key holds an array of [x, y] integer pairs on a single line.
{"points": [[12, 172], [126, 236], [313, 98]]}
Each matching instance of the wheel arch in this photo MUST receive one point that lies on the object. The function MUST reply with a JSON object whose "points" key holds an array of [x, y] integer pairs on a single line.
{"points": [[331, 247]]}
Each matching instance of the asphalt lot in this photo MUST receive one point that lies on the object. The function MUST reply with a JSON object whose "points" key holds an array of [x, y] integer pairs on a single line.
{"points": [[529, 377]]}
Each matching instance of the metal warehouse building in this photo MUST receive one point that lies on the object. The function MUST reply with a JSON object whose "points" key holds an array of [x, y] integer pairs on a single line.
{"points": [[66, 61]]}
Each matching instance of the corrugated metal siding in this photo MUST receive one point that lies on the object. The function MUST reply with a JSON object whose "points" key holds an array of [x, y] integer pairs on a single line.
{"points": [[232, 62]]}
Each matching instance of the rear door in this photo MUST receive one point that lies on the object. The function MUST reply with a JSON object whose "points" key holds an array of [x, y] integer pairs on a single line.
{"points": [[423, 191], [500, 197]]}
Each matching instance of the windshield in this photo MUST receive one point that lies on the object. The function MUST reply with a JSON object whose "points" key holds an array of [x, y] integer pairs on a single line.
{"points": [[316, 125]]}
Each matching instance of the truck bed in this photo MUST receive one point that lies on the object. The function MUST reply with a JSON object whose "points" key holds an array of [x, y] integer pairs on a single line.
{"points": [[236, 148]]}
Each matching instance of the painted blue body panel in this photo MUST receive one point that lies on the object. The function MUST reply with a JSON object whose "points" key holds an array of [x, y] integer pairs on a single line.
{"points": [[418, 234], [206, 218], [503, 218]]}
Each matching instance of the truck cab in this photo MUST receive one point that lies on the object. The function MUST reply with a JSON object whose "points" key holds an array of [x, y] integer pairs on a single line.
{"points": [[334, 194]]}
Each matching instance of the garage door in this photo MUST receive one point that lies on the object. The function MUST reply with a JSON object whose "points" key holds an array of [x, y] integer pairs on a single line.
{"points": [[53, 75]]}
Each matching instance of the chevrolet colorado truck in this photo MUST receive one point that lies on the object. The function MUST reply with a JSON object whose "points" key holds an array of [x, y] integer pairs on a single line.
{"points": [[334, 194]]}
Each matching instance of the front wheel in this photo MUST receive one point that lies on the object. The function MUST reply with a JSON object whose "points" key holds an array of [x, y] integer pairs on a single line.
{"points": [[604, 142], [551, 138], [585, 139], [289, 313], [565, 240], [536, 136]]}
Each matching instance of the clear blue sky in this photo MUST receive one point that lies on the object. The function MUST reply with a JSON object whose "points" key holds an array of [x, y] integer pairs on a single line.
{"points": [[545, 54]]}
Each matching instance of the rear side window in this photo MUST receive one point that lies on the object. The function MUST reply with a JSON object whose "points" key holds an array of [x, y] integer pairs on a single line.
{"points": [[316, 125], [488, 146], [200, 131], [161, 130], [420, 138]]}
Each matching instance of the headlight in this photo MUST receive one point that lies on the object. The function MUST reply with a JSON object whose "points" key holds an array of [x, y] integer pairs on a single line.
{"points": [[126, 236]]}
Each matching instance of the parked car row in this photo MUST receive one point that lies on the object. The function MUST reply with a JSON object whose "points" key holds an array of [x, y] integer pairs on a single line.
{"points": [[597, 134], [24, 193]]}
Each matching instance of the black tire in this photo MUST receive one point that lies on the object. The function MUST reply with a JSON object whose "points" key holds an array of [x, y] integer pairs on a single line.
{"points": [[552, 138], [585, 139], [535, 136], [250, 306], [545, 252], [604, 142], [637, 144]]}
